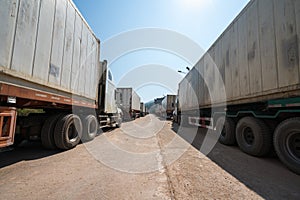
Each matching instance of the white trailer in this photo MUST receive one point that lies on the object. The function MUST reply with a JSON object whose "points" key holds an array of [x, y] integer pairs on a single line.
{"points": [[129, 101], [50, 60], [257, 58], [168, 105]]}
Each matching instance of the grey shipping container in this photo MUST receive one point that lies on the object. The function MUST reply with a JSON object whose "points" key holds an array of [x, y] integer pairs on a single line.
{"points": [[129, 101], [246, 87], [168, 105], [257, 58], [47, 45], [50, 61]]}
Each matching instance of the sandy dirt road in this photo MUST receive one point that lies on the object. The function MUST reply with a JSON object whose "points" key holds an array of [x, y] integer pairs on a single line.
{"points": [[145, 159]]}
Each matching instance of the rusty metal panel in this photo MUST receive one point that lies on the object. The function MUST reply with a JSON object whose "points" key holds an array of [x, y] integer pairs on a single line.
{"points": [[8, 16], [25, 37], [254, 61], [286, 42], [44, 41], [7, 126], [58, 42], [68, 48], [267, 45]]}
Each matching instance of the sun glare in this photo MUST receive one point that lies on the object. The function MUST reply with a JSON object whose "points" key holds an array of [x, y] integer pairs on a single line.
{"points": [[194, 4]]}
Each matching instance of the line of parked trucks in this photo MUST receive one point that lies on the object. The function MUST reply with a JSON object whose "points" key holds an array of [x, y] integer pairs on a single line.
{"points": [[51, 76], [49, 62]]}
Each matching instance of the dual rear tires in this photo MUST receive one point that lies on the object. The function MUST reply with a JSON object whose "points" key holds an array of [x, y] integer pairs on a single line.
{"points": [[67, 130], [254, 137], [287, 143]]}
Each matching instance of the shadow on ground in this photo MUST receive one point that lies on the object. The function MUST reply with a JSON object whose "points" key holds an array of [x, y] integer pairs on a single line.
{"points": [[267, 176], [27, 150]]}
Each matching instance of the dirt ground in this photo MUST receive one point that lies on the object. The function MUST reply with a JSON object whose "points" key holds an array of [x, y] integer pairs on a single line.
{"points": [[144, 159]]}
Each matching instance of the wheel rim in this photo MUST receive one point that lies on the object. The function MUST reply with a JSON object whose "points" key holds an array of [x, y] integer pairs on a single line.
{"points": [[293, 145], [92, 126], [248, 136], [72, 133]]}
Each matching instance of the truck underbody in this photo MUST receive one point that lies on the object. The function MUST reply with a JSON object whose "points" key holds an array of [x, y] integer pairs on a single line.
{"points": [[257, 128]]}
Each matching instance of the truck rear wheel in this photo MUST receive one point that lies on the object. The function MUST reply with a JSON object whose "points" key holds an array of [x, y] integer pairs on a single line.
{"points": [[68, 131], [90, 128], [47, 133], [227, 129], [253, 136], [287, 143]]}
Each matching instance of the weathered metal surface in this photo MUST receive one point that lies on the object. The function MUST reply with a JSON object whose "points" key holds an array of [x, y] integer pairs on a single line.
{"points": [[168, 103], [8, 117], [48, 43], [38, 95], [44, 40], [8, 16], [257, 57], [128, 99], [25, 37]]}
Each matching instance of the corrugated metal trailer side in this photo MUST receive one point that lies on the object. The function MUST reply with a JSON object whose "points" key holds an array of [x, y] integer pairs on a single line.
{"points": [[257, 57], [124, 98], [47, 45], [128, 99], [135, 101], [257, 60]]}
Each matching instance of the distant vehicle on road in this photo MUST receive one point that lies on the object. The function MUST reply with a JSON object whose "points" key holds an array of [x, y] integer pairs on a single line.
{"points": [[168, 106], [130, 103]]}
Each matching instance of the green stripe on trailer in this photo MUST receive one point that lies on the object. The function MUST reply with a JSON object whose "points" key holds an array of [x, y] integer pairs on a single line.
{"points": [[279, 103], [263, 116]]}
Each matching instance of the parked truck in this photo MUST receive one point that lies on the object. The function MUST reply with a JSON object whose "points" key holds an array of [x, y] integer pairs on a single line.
{"points": [[142, 109], [129, 102], [52, 83], [168, 106], [257, 58]]}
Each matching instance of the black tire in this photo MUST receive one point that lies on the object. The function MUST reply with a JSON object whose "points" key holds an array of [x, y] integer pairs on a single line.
{"points": [[253, 136], [179, 120], [90, 128], [47, 133], [119, 122], [287, 143], [68, 132], [227, 129]]}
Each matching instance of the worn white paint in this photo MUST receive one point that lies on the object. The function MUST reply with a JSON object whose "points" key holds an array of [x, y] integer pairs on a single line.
{"points": [[44, 40], [257, 56], [25, 38], [8, 16], [48, 43]]}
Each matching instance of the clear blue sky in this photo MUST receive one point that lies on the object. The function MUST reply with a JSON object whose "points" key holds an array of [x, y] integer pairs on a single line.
{"points": [[200, 20]]}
